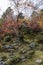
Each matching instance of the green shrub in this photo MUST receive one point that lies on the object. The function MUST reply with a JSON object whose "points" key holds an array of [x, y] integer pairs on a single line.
{"points": [[4, 58], [7, 38], [39, 38], [14, 60]]}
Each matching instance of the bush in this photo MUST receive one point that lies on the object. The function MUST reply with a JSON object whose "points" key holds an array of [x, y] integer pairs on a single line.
{"points": [[39, 38], [7, 38], [14, 60], [4, 58]]}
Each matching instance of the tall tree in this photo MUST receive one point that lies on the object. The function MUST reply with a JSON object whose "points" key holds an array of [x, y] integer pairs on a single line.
{"points": [[23, 5], [7, 14]]}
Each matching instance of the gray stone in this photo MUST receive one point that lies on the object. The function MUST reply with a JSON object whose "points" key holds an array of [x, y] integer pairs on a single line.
{"points": [[9, 50], [2, 63], [6, 47], [38, 61], [11, 47], [15, 44], [11, 53], [33, 45], [23, 52], [23, 58]]}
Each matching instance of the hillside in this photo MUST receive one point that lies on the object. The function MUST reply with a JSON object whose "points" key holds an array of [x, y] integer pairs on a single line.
{"points": [[21, 39]]}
